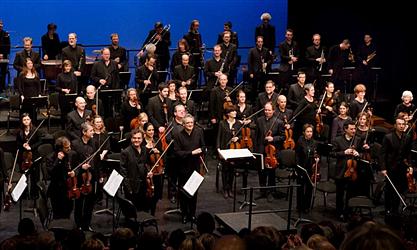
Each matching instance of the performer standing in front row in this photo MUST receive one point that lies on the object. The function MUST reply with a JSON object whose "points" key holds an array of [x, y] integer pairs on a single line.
{"points": [[188, 145]]}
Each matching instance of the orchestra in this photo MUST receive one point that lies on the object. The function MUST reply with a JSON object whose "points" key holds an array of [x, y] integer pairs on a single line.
{"points": [[259, 115]]}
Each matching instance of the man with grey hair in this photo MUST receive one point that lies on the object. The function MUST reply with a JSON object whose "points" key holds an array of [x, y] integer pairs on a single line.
{"points": [[267, 31], [27, 52], [77, 117], [76, 54]]}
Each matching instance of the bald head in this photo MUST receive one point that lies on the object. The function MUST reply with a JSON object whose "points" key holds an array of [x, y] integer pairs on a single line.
{"points": [[80, 103]]}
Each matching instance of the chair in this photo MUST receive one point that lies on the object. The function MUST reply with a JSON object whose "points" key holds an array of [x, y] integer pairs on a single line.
{"points": [[59, 133], [326, 187], [138, 219], [287, 164], [14, 110], [360, 203]]}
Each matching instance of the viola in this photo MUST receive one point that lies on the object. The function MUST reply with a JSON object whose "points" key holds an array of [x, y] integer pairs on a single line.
{"points": [[27, 160], [289, 142], [246, 141], [94, 109], [271, 161], [227, 101], [159, 167], [234, 145], [316, 176], [319, 124], [351, 168], [163, 140], [150, 188], [73, 191], [86, 187], [411, 182]]}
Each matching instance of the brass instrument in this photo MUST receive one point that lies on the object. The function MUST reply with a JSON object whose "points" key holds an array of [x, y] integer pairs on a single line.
{"points": [[370, 57], [321, 60], [153, 39], [351, 56], [291, 54]]}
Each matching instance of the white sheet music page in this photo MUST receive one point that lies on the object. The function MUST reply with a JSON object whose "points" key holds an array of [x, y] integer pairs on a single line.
{"points": [[19, 188], [193, 183], [235, 153], [113, 183]]}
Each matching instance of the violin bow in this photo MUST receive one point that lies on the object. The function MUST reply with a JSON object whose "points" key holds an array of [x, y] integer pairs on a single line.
{"points": [[321, 103], [36, 129], [240, 129], [160, 157], [412, 125], [88, 159]]}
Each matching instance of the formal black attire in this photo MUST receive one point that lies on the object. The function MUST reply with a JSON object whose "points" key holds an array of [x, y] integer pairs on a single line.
{"points": [[338, 59], [395, 151], [189, 105], [156, 112], [183, 74], [263, 125], [217, 97], [195, 42], [142, 74], [85, 204], [296, 93], [77, 57], [121, 53], [74, 121], [263, 99], [90, 104], [211, 67], [20, 60], [313, 67], [305, 151], [157, 179], [29, 87], [232, 60], [57, 190], [233, 39], [127, 113], [344, 185], [402, 108], [184, 145], [256, 57], [99, 139], [51, 47], [337, 127], [177, 59], [356, 107], [267, 31], [132, 168], [308, 115], [65, 81], [172, 162], [224, 136], [364, 72], [5, 51], [162, 50]]}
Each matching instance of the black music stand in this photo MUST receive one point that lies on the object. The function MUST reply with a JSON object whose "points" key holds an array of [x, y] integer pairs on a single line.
{"points": [[125, 78], [114, 96], [239, 157], [300, 219], [108, 165], [324, 149], [70, 99], [348, 76], [35, 102]]}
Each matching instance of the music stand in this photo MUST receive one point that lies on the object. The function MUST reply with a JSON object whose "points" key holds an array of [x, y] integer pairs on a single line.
{"points": [[236, 156], [324, 149], [112, 94], [109, 164], [111, 187], [125, 78], [300, 218], [35, 102], [349, 71]]}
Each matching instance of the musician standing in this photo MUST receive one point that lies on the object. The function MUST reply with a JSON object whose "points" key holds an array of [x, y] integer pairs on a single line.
{"points": [[358, 104], [77, 117], [118, 53], [159, 108], [284, 114], [306, 110], [339, 121], [105, 76], [29, 86], [228, 133], [345, 147], [132, 168], [189, 146], [91, 101], [267, 31], [316, 55], [306, 155], [66, 84], [182, 49], [59, 169], [215, 67], [130, 108], [396, 147], [184, 74], [160, 36], [269, 95], [232, 59], [269, 122], [21, 57], [51, 46], [76, 54], [147, 78], [339, 58], [289, 53], [259, 61], [406, 106], [4, 55], [183, 100], [227, 27], [366, 59], [296, 91], [218, 96], [83, 148], [195, 43]]}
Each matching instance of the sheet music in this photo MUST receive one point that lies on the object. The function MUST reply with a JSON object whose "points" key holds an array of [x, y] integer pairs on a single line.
{"points": [[193, 183], [235, 153], [113, 183], [19, 188]]}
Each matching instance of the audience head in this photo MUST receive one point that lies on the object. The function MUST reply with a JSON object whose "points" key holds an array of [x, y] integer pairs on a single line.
{"points": [[122, 239], [205, 223]]}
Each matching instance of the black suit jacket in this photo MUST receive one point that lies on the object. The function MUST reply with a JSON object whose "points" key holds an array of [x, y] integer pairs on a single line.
{"points": [[20, 60], [132, 168], [74, 121], [156, 112]]}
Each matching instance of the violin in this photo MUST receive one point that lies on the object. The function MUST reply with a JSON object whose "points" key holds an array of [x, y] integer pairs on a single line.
{"points": [[289, 142], [271, 161], [227, 101], [234, 145], [86, 187], [27, 160], [73, 191], [411, 182], [159, 165], [94, 109], [150, 188], [351, 168], [315, 176], [246, 141], [163, 140]]}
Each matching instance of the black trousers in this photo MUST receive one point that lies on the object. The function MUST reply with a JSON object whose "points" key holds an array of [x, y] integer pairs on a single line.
{"points": [[188, 204], [83, 212]]}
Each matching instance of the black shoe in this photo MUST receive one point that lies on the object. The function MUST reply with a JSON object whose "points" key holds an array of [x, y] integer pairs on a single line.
{"points": [[184, 220], [193, 219], [341, 218], [173, 200]]}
